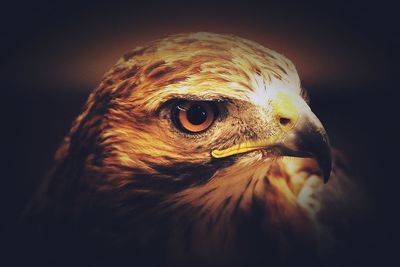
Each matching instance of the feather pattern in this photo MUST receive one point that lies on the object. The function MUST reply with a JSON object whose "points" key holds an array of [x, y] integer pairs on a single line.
{"points": [[127, 182]]}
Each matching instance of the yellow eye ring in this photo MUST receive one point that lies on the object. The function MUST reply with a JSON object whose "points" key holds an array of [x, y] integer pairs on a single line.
{"points": [[194, 116]]}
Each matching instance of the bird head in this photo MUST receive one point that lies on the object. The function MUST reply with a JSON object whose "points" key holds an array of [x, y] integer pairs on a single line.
{"points": [[201, 121]]}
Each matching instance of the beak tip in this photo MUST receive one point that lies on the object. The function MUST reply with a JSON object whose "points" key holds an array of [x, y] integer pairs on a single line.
{"points": [[308, 138], [326, 177], [325, 164]]}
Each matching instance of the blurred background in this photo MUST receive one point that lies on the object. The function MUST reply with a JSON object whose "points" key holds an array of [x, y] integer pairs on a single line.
{"points": [[54, 53]]}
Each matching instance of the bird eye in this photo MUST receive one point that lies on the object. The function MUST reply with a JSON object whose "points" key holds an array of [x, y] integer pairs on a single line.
{"points": [[193, 116]]}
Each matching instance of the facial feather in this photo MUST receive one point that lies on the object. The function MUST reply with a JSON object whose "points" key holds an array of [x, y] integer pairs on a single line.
{"points": [[140, 169]]}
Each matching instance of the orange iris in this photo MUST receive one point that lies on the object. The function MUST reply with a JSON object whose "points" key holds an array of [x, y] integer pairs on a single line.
{"points": [[195, 116]]}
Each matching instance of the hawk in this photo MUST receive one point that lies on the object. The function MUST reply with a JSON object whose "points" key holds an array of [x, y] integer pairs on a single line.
{"points": [[197, 149]]}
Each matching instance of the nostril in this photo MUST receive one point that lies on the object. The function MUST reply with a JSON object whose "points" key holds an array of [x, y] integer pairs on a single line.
{"points": [[284, 121]]}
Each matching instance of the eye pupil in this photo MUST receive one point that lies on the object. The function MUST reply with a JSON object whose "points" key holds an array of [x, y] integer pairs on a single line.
{"points": [[193, 116], [197, 115]]}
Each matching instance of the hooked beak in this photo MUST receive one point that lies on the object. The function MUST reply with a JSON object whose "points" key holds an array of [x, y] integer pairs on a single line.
{"points": [[306, 139], [302, 135]]}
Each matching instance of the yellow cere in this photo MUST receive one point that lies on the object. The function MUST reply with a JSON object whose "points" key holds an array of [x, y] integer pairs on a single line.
{"points": [[283, 107]]}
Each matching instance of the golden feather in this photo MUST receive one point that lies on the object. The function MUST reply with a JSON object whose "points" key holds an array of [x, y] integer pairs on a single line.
{"points": [[134, 183]]}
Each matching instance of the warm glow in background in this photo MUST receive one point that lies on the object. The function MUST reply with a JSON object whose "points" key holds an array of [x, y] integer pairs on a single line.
{"points": [[54, 54], [74, 45]]}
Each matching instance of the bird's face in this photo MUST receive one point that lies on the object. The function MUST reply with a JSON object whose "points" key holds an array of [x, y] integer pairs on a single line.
{"points": [[204, 119]]}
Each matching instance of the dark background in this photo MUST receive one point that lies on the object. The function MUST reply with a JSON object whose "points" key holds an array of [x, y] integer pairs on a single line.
{"points": [[53, 54]]}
